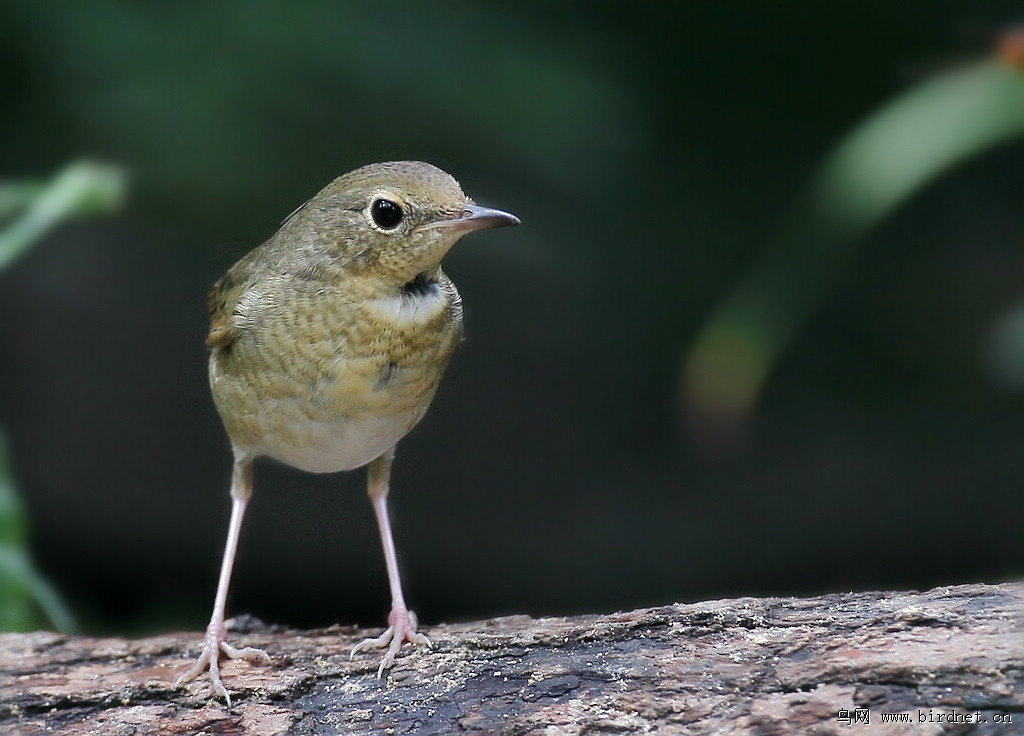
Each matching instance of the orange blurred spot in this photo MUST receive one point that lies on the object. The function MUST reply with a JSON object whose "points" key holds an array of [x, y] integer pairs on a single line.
{"points": [[1010, 47]]}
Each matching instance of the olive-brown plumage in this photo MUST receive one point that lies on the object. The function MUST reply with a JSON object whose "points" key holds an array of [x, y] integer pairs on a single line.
{"points": [[329, 341]]}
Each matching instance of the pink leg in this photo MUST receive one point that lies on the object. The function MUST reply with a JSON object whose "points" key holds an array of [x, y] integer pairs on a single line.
{"points": [[216, 635], [401, 621]]}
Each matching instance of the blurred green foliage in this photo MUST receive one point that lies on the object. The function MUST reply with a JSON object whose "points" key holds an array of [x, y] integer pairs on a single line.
{"points": [[28, 210], [895, 153], [23, 591]]}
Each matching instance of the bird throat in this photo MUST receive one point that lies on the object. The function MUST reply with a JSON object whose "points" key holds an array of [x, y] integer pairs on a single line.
{"points": [[417, 302], [422, 285]]}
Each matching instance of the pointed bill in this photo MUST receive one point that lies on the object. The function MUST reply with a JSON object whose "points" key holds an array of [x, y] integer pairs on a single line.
{"points": [[473, 217]]}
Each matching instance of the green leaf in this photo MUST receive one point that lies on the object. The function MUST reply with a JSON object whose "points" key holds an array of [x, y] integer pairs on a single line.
{"points": [[886, 160], [82, 188]]}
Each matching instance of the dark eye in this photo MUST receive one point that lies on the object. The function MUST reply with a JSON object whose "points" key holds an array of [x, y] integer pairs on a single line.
{"points": [[386, 213]]}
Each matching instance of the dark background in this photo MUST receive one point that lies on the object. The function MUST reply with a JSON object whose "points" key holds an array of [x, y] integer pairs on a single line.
{"points": [[650, 152]]}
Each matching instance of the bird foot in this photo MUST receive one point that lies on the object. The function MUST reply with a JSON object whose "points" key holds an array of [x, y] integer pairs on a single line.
{"points": [[401, 628], [214, 645]]}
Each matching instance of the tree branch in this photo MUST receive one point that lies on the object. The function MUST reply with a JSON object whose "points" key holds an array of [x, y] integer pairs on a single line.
{"points": [[777, 666]]}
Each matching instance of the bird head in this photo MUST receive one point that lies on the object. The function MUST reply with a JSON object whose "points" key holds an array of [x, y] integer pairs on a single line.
{"points": [[396, 220]]}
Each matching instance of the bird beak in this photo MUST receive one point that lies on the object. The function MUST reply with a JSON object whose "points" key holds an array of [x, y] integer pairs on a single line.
{"points": [[473, 217]]}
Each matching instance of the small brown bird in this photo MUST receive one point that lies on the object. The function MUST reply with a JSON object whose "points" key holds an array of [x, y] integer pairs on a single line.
{"points": [[329, 341]]}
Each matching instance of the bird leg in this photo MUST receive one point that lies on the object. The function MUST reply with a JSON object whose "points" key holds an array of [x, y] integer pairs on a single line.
{"points": [[215, 642], [401, 621]]}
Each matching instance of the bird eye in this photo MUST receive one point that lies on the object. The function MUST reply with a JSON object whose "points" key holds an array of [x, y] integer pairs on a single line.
{"points": [[386, 214]]}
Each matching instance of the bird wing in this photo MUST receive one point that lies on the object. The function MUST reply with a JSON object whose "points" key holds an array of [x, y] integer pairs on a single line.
{"points": [[241, 292], [221, 302]]}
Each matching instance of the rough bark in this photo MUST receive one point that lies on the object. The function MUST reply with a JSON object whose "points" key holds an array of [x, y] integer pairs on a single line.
{"points": [[750, 666]]}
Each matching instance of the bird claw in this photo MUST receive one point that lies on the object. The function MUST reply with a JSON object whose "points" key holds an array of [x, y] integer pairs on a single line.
{"points": [[401, 628], [214, 645]]}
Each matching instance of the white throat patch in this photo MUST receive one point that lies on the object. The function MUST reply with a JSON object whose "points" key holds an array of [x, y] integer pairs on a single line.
{"points": [[410, 309]]}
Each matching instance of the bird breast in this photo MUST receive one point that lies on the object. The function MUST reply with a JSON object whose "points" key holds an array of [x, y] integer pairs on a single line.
{"points": [[333, 388]]}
